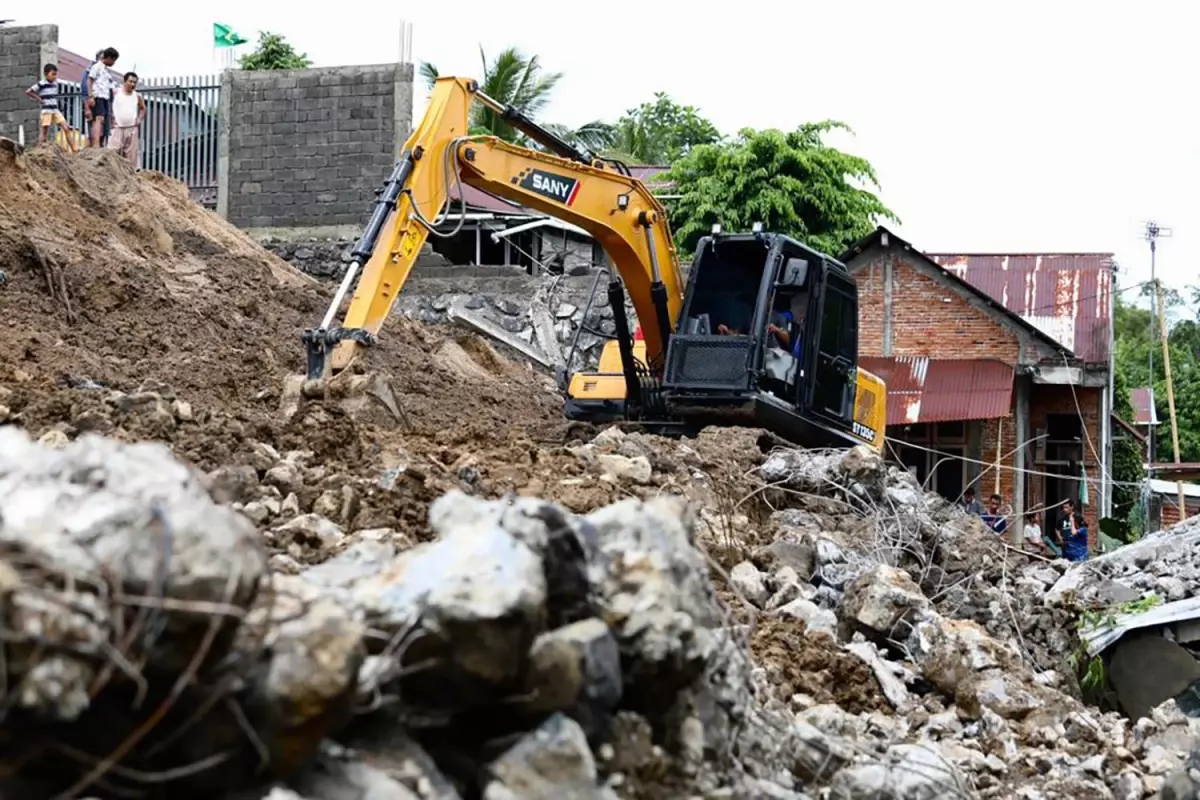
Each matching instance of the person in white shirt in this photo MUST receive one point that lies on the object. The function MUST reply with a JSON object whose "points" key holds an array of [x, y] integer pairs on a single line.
{"points": [[1032, 535], [101, 85], [128, 111]]}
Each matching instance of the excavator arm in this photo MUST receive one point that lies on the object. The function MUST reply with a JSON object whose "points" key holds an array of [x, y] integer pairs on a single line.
{"points": [[438, 158]]}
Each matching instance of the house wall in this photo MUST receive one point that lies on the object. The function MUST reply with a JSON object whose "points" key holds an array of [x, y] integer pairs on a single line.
{"points": [[1169, 508], [307, 148], [905, 311], [23, 52]]}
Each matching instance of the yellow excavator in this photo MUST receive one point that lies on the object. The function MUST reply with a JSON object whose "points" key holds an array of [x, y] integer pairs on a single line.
{"points": [[763, 331]]}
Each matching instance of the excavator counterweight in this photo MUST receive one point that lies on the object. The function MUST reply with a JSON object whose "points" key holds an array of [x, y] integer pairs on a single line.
{"points": [[762, 332]]}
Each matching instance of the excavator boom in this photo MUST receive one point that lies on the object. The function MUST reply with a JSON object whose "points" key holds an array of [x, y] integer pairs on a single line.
{"points": [[439, 157]]}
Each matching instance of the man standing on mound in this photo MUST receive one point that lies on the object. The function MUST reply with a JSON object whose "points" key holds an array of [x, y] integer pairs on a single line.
{"points": [[100, 91], [128, 111]]}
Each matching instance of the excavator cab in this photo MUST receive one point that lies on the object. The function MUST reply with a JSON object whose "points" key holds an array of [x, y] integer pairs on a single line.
{"points": [[767, 336]]}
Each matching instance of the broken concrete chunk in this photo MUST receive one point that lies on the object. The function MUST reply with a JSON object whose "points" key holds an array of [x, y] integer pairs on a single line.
{"points": [[96, 513], [286, 476], [654, 593], [315, 649], [879, 600], [622, 469], [798, 554], [234, 484], [950, 651], [473, 600], [906, 772], [333, 779], [813, 616], [575, 669], [1000, 691], [749, 582], [313, 530], [551, 763]]}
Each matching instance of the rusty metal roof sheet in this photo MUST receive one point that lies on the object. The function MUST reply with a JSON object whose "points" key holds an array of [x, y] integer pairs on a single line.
{"points": [[921, 389], [1065, 295], [1144, 412]]}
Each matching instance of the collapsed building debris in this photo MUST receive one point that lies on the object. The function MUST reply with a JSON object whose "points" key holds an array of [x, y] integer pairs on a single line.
{"points": [[479, 600]]}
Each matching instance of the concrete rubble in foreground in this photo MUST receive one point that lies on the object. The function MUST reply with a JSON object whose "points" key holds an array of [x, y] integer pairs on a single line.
{"points": [[529, 652]]}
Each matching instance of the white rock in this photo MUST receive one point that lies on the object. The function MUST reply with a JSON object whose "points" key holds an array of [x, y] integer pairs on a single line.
{"points": [[622, 469], [315, 528], [813, 616], [749, 582], [907, 772]]}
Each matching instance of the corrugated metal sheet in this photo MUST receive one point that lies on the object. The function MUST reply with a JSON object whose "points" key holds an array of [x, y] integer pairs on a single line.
{"points": [[921, 389], [1064, 295], [1144, 412], [1101, 635]]}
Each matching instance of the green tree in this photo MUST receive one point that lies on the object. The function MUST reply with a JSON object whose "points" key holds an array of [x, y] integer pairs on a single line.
{"points": [[660, 132], [1133, 343], [274, 52], [792, 183], [518, 80], [1127, 455]]}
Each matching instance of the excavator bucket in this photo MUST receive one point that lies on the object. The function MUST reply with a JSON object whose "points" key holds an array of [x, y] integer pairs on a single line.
{"points": [[356, 393]]}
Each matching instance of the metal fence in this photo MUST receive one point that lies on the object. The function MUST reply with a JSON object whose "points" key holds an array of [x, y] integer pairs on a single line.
{"points": [[179, 134]]}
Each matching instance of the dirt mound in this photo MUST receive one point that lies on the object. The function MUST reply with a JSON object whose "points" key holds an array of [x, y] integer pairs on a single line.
{"points": [[799, 664], [116, 285]]}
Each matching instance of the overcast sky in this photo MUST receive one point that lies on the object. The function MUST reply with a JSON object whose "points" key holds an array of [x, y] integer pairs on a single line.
{"points": [[1036, 127]]}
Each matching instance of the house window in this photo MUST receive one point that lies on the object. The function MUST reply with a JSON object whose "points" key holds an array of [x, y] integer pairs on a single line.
{"points": [[934, 453]]}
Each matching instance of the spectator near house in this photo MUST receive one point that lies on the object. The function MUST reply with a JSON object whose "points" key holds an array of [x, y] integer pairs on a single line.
{"points": [[1071, 533], [970, 504], [994, 518]]}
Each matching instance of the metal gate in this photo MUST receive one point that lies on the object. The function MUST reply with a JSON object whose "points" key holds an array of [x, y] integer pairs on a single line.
{"points": [[178, 136]]}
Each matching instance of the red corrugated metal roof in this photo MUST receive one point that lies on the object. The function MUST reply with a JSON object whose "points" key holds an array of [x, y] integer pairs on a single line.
{"points": [[1065, 295], [477, 198], [921, 389], [71, 66], [1142, 400]]}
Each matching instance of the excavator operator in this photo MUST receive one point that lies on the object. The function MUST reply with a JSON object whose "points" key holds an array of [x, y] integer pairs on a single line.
{"points": [[786, 325]]}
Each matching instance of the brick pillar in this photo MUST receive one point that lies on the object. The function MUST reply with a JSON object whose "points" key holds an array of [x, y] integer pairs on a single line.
{"points": [[23, 52]]}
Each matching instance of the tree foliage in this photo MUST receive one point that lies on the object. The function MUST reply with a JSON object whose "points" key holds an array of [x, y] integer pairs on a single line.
{"points": [[660, 132], [1128, 455], [1133, 342], [793, 183], [274, 52], [518, 80]]}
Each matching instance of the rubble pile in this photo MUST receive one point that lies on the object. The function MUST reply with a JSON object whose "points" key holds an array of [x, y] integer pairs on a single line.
{"points": [[203, 597]]}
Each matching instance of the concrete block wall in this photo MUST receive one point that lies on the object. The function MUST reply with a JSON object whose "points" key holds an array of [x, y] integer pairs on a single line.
{"points": [[23, 52], [307, 148]]}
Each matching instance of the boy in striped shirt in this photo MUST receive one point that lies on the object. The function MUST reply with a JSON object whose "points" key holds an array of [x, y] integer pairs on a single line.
{"points": [[45, 92]]}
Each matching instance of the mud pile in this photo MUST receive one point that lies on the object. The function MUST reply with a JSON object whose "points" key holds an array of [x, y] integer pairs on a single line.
{"points": [[123, 297]]}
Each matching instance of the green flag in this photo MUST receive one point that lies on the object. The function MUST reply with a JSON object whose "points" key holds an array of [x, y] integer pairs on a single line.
{"points": [[224, 36]]}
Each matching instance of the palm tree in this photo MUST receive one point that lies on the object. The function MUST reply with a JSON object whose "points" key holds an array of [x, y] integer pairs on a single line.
{"points": [[516, 80]]}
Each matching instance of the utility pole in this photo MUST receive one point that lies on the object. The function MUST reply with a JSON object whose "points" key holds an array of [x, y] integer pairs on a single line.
{"points": [[1154, 232], [1162, 317]]}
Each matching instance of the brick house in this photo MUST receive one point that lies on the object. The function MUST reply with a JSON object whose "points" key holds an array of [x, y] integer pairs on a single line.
{"points": [[992, 360]]}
